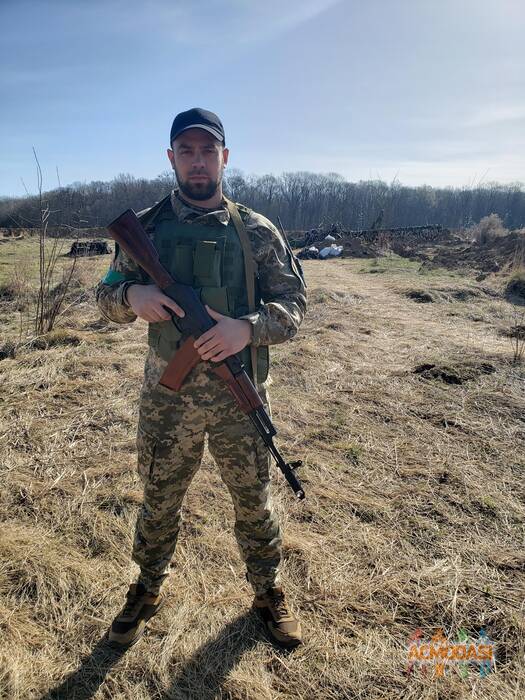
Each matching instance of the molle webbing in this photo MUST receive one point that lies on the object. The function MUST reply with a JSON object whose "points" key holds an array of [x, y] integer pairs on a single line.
{"points": [[216, 260]]}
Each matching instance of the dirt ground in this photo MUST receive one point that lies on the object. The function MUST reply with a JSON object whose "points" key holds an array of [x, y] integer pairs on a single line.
{"points": [[409, 417], [452, 250]]}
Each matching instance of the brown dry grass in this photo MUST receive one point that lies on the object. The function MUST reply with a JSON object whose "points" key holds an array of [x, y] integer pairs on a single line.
{"points": [[414, 515]]}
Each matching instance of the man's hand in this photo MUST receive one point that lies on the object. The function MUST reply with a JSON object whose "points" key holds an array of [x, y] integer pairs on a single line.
{"points": [[228, 336], [148, 302]]}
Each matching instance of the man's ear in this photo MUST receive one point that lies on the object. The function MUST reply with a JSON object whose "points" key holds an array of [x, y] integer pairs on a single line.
{"points": [[171, 157], [225, 154]]}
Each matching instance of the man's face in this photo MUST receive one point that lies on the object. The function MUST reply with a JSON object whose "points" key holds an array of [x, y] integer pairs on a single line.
{"points": [[198, 160]]}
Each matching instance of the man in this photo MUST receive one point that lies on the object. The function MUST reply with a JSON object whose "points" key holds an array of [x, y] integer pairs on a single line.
{"points": [[222, 250]]}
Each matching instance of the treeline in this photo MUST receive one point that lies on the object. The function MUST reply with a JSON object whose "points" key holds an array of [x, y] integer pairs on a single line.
{"points": [[83, 205], [303, 200]]}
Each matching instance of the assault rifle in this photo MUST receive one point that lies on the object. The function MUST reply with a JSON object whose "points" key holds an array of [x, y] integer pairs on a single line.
{"points": [[129, 233]]}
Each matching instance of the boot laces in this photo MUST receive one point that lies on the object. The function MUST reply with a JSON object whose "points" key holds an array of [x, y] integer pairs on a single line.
{"points": [[131, 603], [279, 603]]}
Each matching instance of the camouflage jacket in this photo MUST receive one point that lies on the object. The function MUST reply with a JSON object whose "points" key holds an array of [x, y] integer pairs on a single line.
{"points": [[282, 288]]}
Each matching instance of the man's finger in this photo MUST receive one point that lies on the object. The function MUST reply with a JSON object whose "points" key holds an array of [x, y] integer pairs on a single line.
{"points": [[166, 301], [221, 356], [212, 343], [205, 337], [210, 351], [163, 312]]}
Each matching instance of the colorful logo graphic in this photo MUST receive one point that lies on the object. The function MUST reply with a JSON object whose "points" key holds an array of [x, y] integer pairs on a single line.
{"points": [[439, 653]]}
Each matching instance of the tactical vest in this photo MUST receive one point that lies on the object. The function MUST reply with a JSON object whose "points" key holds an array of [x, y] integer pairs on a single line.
{"points": [[209, 257]]}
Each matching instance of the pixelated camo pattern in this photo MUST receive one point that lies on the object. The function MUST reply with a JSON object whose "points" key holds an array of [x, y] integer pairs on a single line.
{"points": [[170, 444]]}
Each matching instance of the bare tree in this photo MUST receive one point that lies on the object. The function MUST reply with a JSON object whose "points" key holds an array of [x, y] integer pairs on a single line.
{"points": [[49, 299]]}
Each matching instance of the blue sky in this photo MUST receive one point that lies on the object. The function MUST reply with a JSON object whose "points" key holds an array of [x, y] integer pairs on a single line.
{"points": [[428, 91]]}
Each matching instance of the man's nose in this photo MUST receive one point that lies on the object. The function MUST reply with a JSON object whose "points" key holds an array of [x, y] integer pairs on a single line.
{"points": [[198, 159]]}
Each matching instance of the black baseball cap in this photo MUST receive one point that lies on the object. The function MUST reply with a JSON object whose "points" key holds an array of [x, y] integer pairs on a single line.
{"points": [[197, 118]]}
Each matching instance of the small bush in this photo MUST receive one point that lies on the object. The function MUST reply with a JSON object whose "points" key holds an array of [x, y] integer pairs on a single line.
{"points": [[515, 288], [54, 338], [489, 228], [17, 290], [419, 296], [7, 350], [7, 293]]}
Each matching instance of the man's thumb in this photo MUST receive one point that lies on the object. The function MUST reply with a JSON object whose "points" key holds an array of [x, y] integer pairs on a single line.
{"points": [[214, 314]]}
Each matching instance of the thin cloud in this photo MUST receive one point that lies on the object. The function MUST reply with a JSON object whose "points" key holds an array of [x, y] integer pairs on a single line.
{"points": [[237, 21], [482, 116], [497, 114], [267, 20]]}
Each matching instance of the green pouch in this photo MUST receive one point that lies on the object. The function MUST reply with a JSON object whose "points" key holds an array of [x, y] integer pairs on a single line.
{"points": [[183, 263], [207, 264], [235, 295], [216, 298]]}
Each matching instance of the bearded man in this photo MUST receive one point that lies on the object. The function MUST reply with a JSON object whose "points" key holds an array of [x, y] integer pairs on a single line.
{"points": [[224, 250]]}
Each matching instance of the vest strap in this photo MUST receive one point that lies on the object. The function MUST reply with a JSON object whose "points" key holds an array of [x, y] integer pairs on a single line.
{"points": [[249, 271]]}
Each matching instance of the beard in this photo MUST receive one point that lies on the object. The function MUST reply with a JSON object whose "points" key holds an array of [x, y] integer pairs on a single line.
{"points": [[199, 191]]}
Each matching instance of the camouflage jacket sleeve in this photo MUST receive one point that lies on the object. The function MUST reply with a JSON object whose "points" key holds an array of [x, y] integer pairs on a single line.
{"points": [[281, 285], [110, 292]]}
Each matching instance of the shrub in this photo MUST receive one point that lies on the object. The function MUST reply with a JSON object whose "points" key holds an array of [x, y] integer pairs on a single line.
{"points": [[54, 338], [489, 228], [16, 290], [515, 287], [7, 350]]}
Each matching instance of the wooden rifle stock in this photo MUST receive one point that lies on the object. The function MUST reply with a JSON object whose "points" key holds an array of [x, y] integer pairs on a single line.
{"points": [[131, 237]]}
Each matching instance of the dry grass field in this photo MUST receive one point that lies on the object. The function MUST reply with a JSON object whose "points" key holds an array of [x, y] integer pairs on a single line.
{"points": [[414, 517]]}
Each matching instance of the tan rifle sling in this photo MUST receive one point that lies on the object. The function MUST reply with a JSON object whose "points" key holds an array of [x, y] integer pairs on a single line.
{"points": [[249, 271]]}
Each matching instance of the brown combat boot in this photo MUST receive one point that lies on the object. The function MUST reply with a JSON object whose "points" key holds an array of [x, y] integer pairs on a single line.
{"points": [[129, 625], [282, 625]]}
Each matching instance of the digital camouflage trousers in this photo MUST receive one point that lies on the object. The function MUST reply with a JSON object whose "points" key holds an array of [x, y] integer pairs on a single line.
{"points": [[170, 445]]}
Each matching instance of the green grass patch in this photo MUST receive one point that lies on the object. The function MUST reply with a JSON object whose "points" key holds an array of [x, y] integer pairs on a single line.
{"points": [[19, 259]]}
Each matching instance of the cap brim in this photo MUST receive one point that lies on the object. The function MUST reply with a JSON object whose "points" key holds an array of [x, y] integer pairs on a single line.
{"points": [[207, 128]]}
